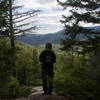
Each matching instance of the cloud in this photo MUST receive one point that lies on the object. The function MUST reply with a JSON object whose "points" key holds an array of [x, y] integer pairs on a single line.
{"points": [[40, 4], [49, 28], [44, 1], [49, 17]]}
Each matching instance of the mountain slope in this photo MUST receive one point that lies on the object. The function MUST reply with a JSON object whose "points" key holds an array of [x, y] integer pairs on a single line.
{"points": [[37, 39]]}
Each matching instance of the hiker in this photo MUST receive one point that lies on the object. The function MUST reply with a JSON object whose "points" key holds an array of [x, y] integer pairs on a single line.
{"points": [[48, 58]]}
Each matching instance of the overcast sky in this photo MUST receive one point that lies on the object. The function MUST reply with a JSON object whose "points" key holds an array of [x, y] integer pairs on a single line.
{"points": [[49, 17]]}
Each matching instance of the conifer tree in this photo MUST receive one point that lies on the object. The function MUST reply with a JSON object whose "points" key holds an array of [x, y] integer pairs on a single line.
{"points": [[18, 20], [78, 36], [15, 20], [3, 18]]}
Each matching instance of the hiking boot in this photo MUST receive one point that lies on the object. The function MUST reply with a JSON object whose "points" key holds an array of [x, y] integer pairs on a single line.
{"points": [[45, 93], [49, 93]]}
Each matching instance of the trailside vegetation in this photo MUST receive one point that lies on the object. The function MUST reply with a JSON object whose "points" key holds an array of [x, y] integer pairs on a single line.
{"points": [[27, 69], [81, 12], [79, 69]]}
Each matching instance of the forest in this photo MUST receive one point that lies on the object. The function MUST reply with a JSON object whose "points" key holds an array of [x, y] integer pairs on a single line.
{"points": [[77, 67]]}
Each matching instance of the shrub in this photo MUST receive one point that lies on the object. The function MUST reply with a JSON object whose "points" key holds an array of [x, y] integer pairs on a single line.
{"points": [[75, 81]]}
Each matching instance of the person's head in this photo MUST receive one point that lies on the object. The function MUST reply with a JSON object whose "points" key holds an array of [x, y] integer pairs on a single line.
{"points": [[48, 46]]}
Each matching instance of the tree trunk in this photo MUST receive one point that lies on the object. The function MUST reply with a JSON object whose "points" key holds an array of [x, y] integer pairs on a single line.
{"points": [[72, 57], [11, 25], [12, 42], [11, 28]]}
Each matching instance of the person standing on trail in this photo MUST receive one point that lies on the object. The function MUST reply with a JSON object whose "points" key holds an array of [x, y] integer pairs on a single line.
{"points": [[48, 58]]}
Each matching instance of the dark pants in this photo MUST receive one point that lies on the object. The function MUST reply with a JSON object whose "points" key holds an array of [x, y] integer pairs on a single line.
{"points": [[47, 79]]}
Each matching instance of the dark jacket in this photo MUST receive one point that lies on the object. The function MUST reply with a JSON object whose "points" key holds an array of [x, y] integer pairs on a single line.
{"points": [[47, 57]]}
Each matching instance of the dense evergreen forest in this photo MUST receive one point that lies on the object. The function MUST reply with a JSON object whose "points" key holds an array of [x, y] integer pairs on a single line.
{"points": [[77, 69]]}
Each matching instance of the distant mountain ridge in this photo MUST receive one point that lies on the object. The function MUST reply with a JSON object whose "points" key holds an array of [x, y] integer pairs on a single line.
{"points": [[38, 39]]}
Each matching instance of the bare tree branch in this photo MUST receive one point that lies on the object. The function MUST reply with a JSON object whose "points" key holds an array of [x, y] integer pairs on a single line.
{"points": [[26, 30], [24, 18], [17, 7], [27, 12], [25, 24]]}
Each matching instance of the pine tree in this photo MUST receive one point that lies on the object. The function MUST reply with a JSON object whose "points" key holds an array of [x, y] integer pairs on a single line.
{"points": [[79, 38], [14, 20], [17, 20], [3, 18]]}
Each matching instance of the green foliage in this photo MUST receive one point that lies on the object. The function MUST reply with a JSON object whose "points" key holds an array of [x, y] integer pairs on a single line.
{"points": [[76, 76], [9, 85], [5, 61], [17, 66], [95, 65], [79, 74], [75, 80], [12, 88], [76, 35], [24, 92], [3, 17], [27, 65]]}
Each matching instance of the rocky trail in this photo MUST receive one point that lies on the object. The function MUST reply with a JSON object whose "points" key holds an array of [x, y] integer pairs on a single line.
{"points": [[37, 94]]}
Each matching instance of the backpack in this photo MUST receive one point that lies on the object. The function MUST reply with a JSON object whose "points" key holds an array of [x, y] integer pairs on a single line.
{"points": [[48, 59]]}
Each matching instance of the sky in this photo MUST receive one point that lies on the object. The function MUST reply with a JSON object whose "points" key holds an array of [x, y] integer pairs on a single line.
{"points": [[48, 20]]}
